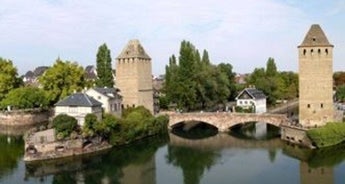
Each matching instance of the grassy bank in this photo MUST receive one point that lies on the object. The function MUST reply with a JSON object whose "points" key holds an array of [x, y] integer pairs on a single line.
{"points": [[328, 135]]}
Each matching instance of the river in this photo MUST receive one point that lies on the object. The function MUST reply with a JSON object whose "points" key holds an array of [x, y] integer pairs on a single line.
{"points": [[172, 159]]}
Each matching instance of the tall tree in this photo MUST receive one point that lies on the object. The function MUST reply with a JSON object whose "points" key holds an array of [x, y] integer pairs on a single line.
{"points": [[271, 68], [193, 83], [104, 70], [8, 77], [62, 80]]}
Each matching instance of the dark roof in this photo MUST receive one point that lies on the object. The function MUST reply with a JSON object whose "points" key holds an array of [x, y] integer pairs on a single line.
{"points": [[79, 99], [133, 50], [315, 37], [29, 74], [252, 92], [90, 72], [109, 92], [40, 70]]}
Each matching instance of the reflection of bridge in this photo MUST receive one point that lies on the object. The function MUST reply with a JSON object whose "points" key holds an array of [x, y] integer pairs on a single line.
{"points": [[222, 140], [224, 120]]}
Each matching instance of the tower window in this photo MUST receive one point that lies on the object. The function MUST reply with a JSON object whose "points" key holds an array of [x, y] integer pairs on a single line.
{"points": [[308, 105], [314, 39], [326, 50], [321, 105], [304, 51], [311, 51], [319, 51]]}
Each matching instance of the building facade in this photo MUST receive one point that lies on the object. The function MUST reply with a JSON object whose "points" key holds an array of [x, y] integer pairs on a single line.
{"points": [[315, 79], [252, 98], [134, 76], [79, 105], [109, 97]]}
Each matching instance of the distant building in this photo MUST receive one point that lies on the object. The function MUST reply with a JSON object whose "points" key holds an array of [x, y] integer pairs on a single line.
{"points": [[31, 77], [134, 76], [315, 79], [91, 73], [79, 105], [251, 97], [109, 97], [241, 78]]}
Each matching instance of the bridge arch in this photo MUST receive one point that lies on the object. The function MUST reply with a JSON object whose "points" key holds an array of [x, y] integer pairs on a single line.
{"points": [[224, 120]]}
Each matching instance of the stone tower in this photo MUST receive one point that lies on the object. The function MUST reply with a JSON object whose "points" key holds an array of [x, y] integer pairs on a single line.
{"points": [[134, 76], [315, 79]]}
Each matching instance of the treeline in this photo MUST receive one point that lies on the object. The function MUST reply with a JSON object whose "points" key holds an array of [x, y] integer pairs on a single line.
{"points": [[57, 82], [276, 85], [192, 82]]}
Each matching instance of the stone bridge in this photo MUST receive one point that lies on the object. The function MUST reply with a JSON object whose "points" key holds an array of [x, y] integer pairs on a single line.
{"points": [[225, 120]]}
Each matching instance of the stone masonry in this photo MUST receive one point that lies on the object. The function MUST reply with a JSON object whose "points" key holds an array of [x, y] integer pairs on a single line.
{"points": [[224, 120], [134, 76], [315, 79]]}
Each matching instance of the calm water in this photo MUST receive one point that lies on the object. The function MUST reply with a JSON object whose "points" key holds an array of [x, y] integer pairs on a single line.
{"points": [[220, 158]]}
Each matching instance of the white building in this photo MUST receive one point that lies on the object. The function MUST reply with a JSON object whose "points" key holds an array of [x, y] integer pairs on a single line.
{"points": [[251, 97], [79, 105], [109, 97]]}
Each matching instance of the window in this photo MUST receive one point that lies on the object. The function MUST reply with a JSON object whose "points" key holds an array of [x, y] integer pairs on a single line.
{"points": [[312, 51], [321, 105], [304, 51], [326, 50], [73, 109], [308, 105], [319, 51]]}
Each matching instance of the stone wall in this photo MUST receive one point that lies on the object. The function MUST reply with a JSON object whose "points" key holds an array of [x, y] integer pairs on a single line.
{"points": [[295, 135], [23, 117]]}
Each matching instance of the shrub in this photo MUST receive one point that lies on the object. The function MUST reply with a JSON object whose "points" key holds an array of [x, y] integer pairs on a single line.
{"points": [[140, 109], [328, 135], [90, 120], [64, 125]]}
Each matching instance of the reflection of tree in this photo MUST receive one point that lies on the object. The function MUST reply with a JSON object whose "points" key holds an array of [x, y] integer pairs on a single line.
{"points": [[328, 156], [109, 167], [192, 161], [11, 151], [272, 154]]}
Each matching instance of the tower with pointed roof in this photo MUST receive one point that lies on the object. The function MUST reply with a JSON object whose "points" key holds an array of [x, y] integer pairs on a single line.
{"points": [[315, 79], [134, 76]]}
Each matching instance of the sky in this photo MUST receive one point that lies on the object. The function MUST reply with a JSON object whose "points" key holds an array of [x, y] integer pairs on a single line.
{"points": [[243, 33]]}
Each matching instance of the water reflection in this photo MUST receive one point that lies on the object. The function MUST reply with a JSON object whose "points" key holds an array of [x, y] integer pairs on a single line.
{"points": [[10, 154], [193, 162], [220, 158]]}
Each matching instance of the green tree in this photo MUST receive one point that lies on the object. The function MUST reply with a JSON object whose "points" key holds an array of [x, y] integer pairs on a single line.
{"points": [[271, 68], [340, 93], [104, 70], [62, 80], [25, 98], [8, 77], [193, 83], [276, 85]]}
